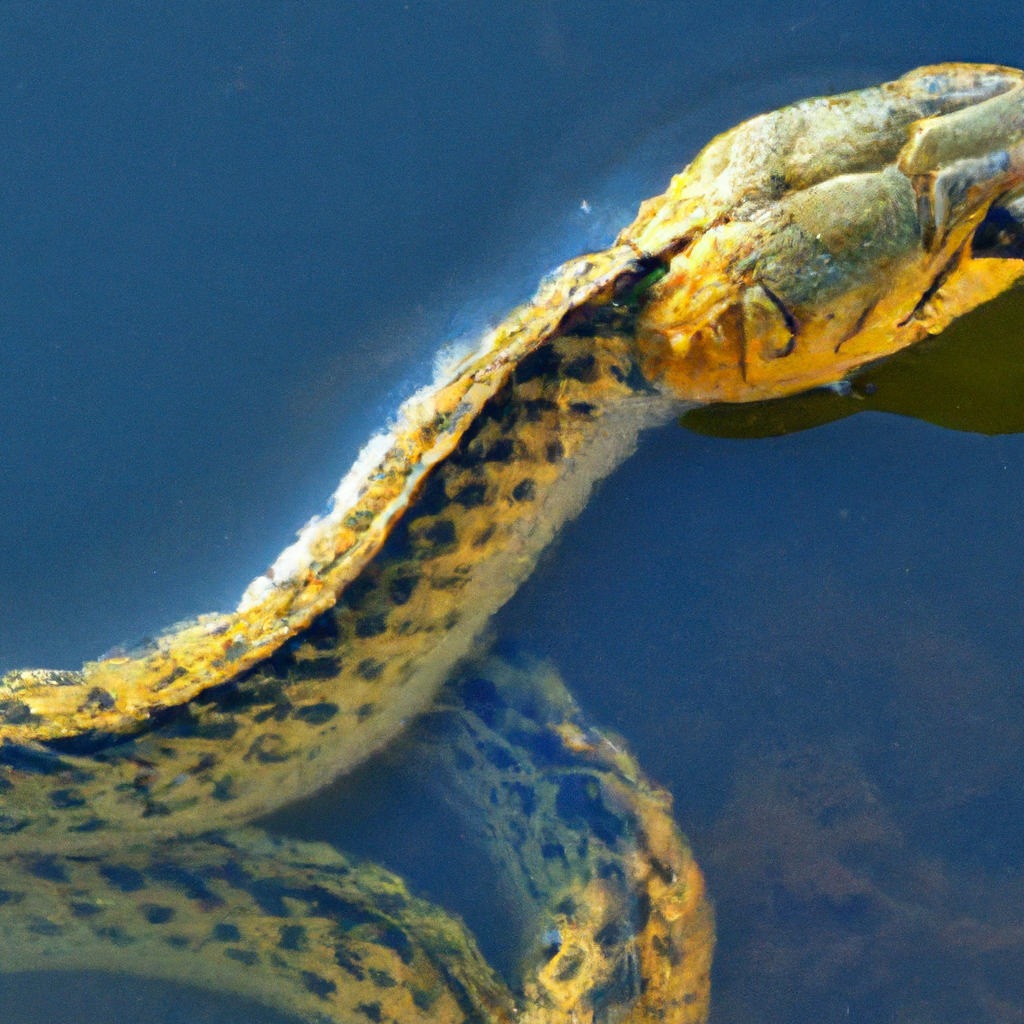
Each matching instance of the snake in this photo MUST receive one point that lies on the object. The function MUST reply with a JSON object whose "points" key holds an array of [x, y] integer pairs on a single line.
{"points": [[793, 251]]}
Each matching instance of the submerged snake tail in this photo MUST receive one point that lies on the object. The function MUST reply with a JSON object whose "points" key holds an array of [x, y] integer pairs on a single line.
{"points": [[620, 925]]}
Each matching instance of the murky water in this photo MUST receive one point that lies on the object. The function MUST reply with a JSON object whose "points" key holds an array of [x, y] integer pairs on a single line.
{"points": [[235, 240]]}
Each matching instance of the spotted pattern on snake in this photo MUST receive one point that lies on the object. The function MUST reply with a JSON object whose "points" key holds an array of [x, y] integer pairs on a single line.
{"points": [[341, 689]]}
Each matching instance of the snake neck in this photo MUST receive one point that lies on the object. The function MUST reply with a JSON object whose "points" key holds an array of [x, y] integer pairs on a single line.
{"points": [[345, 686]]}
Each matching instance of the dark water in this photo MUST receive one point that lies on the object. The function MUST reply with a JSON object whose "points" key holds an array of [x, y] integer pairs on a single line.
{"points": [[233, 238]]}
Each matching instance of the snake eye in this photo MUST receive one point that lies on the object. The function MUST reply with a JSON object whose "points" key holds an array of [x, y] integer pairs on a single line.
{"points": [[1001, 234]]}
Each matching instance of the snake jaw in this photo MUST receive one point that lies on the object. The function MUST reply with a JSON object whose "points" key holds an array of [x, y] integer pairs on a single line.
{"points": [[820, 263]]}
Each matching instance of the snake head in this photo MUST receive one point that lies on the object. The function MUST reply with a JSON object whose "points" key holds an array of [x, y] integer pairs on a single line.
{"points": [[832, 233]]}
